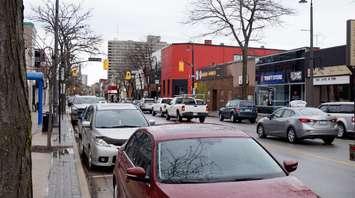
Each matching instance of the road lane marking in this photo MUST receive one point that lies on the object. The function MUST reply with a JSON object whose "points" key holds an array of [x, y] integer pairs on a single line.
{"points": [[101, 176], [295, 152]]}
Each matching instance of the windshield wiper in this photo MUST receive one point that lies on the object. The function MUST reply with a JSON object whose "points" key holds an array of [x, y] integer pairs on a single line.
{"points": [[247, 179]]}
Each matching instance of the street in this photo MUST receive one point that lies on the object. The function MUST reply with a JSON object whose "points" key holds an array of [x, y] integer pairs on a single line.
{"points": [[326, 169]]}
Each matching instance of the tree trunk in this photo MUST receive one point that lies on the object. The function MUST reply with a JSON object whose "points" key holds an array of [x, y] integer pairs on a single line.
{"points": [[245, 72], [15, 119]]}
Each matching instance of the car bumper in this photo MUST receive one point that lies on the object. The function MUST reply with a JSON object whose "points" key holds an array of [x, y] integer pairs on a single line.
{"points": [[247, 115], [104, 156], [193, 115], [318, 133], [146, 108]]}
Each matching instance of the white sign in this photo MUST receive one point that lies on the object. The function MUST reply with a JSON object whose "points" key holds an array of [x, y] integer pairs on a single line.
{"points": [[298, 103], [240, 80], [331, 80]]}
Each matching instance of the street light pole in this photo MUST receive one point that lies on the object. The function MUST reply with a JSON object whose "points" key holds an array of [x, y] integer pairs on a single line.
{"points": [[309, 81]]}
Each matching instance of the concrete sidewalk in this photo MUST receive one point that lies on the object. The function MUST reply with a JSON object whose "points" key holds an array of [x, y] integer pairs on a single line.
{"points": [[57, 173]]}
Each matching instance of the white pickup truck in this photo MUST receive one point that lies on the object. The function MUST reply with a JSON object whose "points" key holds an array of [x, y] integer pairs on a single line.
{"points": [[187, 107], [161, 106]]}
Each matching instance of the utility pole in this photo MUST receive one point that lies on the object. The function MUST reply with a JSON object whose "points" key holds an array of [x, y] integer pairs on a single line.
{"points": [[55, 64]]}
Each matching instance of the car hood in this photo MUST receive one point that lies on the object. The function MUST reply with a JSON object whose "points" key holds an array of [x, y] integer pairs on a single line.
{"points": [[289, 187], [116, 133]]}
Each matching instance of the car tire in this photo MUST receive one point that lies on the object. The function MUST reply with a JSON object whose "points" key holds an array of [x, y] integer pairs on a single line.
{"points": [[291, 135], [161, 113], [328, 140], [153, 113], [178, 116], [167, 116], [202, 119], [80, 147], [253, 120], [260, 131], [233, 119], [221, 118], [89, 161], [341, 130]]}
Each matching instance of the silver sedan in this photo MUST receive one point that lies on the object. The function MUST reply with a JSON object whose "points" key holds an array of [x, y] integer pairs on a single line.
{"points": [[298, 123]]}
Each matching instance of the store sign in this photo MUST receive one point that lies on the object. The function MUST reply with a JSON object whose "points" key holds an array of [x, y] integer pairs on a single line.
{"points": [[296, 76], [331, 80], [272, 78], [210, 74]]}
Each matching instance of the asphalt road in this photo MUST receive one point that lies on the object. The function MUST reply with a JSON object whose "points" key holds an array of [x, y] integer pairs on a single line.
{"points": [[326, 169]]}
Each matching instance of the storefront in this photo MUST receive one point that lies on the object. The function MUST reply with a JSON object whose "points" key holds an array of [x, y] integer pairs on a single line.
{"points": [[280, 79]]}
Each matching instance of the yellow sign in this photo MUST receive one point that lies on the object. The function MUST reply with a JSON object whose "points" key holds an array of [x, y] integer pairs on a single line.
{"points": [[181, 66], [128, 75], [74, 71], [105, 64]]}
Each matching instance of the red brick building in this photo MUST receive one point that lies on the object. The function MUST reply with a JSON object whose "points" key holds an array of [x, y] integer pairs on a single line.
{"points": [[175, 82]]}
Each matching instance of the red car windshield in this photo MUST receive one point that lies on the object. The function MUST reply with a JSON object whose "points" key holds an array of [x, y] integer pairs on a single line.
{"points": [[206, 160]]}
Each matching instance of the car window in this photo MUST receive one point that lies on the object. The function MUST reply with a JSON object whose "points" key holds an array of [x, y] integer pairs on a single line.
{"points": [[139, 150], [88, 113], [188, 101], [246, 103], [178, 101], [278, 113], [344, 108], [288, 113], [310, 111], [120, 118], [85, 100], [166, 101], [234, 103], [324, 108], [203, 160]]}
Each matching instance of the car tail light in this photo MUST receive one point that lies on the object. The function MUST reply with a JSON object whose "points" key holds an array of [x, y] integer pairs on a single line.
{"points": [[206, 107], [183, 108], [353, 119], [237, 110], [305, 120]]}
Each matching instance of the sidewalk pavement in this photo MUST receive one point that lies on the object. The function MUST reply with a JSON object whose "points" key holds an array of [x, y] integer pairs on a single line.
{"points": [[58, 173]]}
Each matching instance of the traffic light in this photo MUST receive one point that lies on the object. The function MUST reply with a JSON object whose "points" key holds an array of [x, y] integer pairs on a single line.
{"points": [[181, 66], [105, 64]]}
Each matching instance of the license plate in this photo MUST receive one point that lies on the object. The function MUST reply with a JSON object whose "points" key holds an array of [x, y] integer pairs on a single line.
{"points": [[323, 122], [247, 110]]}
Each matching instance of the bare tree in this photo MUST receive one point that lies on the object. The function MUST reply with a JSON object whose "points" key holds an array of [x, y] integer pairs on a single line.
{"points": [[241, 19], [140, 58], [15, 119]]}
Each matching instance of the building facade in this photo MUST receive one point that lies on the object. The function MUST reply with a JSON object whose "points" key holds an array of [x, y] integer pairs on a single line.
{"points": [[117, 54], [220, 83], [177, 60]]}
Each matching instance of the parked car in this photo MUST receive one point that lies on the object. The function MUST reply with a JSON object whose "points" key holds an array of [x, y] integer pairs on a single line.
{"points": [[299, 123], [78, 105], [344, 112], [161, 106], [186, 107], [147, 104], [238, 110], [201, 160], [106, 127]]}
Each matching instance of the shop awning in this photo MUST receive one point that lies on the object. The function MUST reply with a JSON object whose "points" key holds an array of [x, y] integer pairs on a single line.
{"points": [[339, 70]]}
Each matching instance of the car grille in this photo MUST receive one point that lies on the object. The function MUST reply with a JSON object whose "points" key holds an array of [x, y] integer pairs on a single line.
{"points": [[117, 142]]}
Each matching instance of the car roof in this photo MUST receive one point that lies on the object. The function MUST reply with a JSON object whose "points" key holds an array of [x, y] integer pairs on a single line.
{"points": [[110, 106], [187, 131], [338, 103]]}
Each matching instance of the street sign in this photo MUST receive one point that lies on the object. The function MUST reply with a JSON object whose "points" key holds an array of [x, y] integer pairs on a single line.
{"points": [[92, 59]]}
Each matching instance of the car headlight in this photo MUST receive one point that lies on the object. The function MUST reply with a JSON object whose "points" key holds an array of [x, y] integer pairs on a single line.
{"points": [[101, 142]]}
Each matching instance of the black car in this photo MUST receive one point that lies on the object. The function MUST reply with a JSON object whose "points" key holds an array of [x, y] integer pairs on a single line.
{"points": [[238, 110]]}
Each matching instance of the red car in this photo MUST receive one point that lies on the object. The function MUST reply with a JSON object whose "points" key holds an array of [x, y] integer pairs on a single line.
{"points": [[201, 160]]}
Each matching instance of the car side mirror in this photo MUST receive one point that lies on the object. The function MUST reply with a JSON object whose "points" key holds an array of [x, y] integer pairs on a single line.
{"points": [[136, 174], [290, 165], [70, 104], [85, 124], [151, 122]]}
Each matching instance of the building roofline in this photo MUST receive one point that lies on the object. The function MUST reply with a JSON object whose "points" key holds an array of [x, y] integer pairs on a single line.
{"points": [[215, 45]]}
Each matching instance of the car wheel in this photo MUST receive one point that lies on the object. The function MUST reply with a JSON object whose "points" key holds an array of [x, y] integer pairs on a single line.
{"points": [[328, 140], [341, 130], [291, 135], [80, 147], [153, 113], [167, 116], [233, 118], [202, 119], [90, 165], [261, 131], [253, 120], [161, 112], [178, 116], [221, 118]]}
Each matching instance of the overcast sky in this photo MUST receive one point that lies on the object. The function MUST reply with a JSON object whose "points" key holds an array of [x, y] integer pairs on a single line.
{"points": [[134, 19]]}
